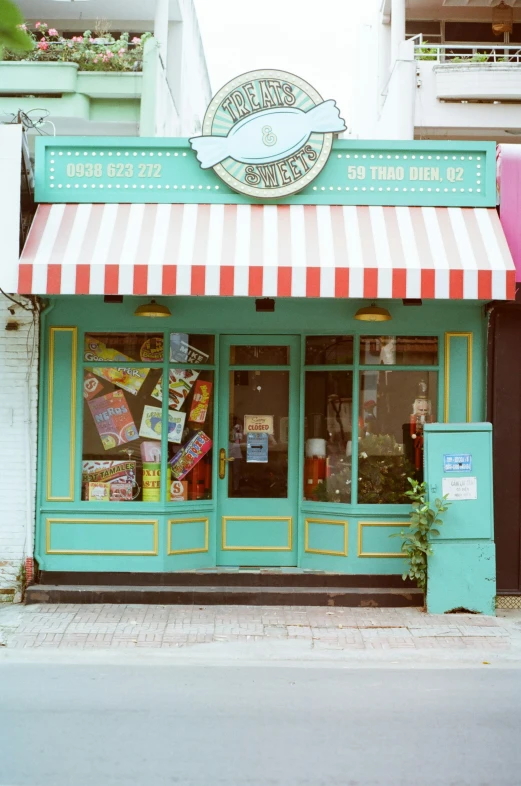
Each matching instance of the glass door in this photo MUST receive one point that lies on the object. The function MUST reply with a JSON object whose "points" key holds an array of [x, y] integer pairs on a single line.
{"points": [[258, 450]]}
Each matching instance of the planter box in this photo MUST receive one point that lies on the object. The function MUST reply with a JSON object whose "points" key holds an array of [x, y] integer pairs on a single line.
{"points": [[110, 84], [485, 81], [37, 78]]}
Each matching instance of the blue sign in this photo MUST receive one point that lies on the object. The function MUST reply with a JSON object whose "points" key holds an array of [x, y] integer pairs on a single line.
{"points": [[257, 449], [457, 462]]}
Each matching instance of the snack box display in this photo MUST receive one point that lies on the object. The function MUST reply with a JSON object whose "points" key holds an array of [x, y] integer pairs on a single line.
{"points": [[113, 419], [98, 492], [108, 471], [189, 455], [120, 492], [200, 401], [91, 386], [129, 379], [180, 383], [151, 423]]}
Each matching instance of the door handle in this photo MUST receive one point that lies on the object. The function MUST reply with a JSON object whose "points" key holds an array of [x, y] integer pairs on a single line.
{"points": [[222, 463]]}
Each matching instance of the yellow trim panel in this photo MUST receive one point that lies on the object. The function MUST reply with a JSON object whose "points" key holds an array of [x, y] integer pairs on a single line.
{"points": [[172, 522], [383, 554], [50, 397], [288, 519], [327, 522], [152, 522]]}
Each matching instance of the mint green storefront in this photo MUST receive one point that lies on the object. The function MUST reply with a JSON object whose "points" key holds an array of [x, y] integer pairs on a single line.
{"points": [[226, 529], [291, 425]]}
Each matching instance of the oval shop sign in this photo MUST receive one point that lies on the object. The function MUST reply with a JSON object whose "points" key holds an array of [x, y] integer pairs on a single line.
{"points": [[267, 134]]}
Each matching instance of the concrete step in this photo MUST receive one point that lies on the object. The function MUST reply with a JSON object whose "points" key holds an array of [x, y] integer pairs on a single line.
{"points": [[228, 577], [226, 595]]}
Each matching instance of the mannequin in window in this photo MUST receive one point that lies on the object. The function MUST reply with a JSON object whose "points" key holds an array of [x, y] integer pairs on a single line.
{"points": [[421, 414]]}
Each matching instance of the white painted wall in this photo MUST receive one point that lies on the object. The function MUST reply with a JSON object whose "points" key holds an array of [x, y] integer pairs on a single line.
{"points": [[18, 375]]}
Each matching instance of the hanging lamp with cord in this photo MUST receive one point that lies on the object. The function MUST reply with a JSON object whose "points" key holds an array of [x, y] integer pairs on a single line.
{"points": [[373, 313], [152, 309]]}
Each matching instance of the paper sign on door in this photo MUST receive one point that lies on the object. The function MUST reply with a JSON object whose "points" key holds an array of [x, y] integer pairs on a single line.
{"points": [[258, 424], [460, 488], [257, 448]]}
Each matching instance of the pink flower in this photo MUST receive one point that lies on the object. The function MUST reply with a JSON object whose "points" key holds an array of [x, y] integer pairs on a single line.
{"points": [[95, 60], [105, 59], [22, 27], [121, 51], [91, 40], [37, 25], [110, 54], [53, 32], [136, 40], [43, 45]]}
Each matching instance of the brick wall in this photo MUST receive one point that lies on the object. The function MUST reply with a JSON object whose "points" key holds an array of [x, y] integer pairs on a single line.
{"points": [[18, 433]]}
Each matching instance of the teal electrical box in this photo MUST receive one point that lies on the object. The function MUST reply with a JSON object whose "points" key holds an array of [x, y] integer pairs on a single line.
{"points": [[462, 569]]}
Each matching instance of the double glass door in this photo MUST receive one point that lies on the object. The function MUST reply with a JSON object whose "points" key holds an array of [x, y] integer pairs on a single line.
{"points": [[257, 450]]}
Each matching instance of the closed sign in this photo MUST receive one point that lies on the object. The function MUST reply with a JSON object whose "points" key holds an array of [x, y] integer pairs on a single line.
{"points": [[258, 424]]}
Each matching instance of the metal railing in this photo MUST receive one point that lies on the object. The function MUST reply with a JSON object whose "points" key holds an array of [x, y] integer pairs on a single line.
{"points": [[466, 53]]}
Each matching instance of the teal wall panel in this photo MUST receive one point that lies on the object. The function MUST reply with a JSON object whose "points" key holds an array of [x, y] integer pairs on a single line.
{"points": [[60, 423], [458, 378], [89, 536], [257, 534], [462, 576], [326, 536], [188, 535]]}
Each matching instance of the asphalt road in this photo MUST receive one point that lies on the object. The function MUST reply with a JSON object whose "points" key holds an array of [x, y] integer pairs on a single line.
{"points": [[253, 725]]}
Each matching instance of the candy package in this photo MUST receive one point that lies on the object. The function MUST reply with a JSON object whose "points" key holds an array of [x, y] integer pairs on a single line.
{"points": [[189, 455], [113, 419], [200, 401], [98, 492], [151, 423], [91, 386], [180, 383], [130, 379]]}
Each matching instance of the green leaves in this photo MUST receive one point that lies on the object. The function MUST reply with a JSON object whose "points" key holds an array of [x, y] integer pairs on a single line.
{"points": [[11, 34], [416, 541]]}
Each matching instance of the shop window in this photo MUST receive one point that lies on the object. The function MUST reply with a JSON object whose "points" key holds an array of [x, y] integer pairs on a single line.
{"points": [[393, 408], [190, 405], [114, 347], [120, 414], [328, 437], [191, 349], [258, 442], [244, 355], [329, 350], [125, 411], [399, 350]]}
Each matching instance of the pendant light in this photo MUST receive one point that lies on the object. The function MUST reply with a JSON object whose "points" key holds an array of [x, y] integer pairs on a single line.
{"points": [[373, 313], [152, 309], [502, 18]]}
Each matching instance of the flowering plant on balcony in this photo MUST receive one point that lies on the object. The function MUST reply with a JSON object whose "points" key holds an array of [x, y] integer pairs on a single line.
{"points": [[92, 52]]}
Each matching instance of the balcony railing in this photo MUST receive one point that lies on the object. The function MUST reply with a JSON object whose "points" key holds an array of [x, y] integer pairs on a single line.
{"points": [[468, 53]]}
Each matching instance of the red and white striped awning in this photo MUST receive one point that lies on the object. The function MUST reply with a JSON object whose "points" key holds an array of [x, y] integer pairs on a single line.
{"points": [[267, 251]]}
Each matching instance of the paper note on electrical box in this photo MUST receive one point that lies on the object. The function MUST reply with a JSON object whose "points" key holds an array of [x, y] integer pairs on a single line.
{"points": [[460, 488]]}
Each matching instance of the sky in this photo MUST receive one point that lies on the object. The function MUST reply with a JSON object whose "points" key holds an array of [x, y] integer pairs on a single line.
{"points": [[310, 38]]}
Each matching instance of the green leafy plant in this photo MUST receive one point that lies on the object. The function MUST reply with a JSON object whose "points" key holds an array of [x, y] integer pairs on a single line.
{"points": [[98, 51], [477, 57], [12, 34], [424, 52], [416, 541]]}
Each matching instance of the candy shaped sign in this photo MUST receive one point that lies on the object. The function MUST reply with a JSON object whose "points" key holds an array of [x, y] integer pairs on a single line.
{"points": [[186, 459], [267, 134]]}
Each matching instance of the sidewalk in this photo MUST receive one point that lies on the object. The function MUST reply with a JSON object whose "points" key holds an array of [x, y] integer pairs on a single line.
{"points": [[312, 628]]}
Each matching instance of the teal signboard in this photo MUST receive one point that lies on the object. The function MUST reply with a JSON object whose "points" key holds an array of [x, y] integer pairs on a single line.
{"points": [[122, 169]]}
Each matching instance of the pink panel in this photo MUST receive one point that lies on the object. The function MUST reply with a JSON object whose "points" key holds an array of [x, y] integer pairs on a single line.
{"points": [[509, 191]]}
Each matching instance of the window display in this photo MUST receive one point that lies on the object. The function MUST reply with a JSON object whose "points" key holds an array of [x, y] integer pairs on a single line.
{"points": [[399, 350], [328, 435], [137, 347], [124, 415], [393, 408]]}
